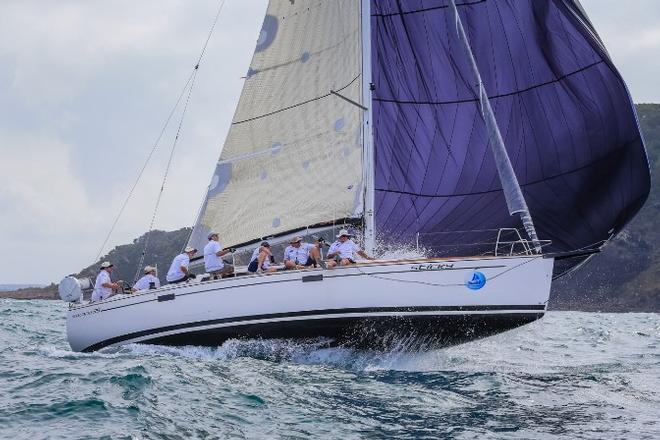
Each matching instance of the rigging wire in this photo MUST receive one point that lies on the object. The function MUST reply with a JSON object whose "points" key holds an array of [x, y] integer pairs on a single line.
{"points": [[201, 205], [144, 166], [160, 135], [188, 86], [176, 138], [167, 171]]}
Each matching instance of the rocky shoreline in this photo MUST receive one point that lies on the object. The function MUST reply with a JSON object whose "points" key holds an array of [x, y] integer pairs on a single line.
{"points": [[49, 292]]}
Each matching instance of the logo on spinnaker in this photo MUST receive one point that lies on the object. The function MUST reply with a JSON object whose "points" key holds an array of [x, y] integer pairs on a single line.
{"points": [[475, 280]]}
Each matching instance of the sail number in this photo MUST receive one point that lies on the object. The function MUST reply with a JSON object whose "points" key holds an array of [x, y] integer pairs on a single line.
{"points": [[435, 266], [90, 312]]}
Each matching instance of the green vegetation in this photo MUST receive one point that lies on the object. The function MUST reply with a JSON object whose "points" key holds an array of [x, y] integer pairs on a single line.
{"points": [[163, 246]]}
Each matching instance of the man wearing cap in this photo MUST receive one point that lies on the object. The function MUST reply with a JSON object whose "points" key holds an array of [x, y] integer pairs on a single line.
{"points": [[261, 259], [299, 255], [104, 287], [179, 269], [213, 263], [342, 251], [147, 280]]}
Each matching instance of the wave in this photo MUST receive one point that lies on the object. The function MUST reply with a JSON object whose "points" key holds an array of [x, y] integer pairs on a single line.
{"points": [[308, 352]]}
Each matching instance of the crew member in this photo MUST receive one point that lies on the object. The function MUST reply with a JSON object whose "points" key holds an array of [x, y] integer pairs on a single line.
{"points": [[213, 254], [299, 255], [343, 251], [262, 259], [179, 269], [148, 281], [103, 287]]}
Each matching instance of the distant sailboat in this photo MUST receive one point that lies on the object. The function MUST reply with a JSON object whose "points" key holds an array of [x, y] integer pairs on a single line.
{"points": [[495, 135]]}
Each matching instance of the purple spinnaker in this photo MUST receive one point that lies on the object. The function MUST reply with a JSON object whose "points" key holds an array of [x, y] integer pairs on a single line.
{"points": [[564, 112]]}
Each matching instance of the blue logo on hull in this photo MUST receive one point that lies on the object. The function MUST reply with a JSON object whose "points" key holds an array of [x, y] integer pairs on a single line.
{"points": [[475, 281]]}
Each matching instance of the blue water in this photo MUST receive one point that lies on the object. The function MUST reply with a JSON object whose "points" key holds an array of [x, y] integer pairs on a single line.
{"points": [[570, 375]]}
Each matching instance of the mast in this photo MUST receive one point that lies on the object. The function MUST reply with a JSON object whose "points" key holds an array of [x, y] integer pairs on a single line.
{"points": [[513, 194], [367, 131]]}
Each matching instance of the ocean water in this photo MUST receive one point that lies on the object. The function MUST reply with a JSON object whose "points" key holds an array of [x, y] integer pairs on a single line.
{"points": [[571, 375]]}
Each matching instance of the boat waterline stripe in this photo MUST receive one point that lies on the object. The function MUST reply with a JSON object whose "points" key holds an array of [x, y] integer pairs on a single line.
{"points": [[317, 317], [324, 314]]}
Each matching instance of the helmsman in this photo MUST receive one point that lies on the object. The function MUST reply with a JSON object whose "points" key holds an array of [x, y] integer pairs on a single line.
{"points": [[104, 287]]}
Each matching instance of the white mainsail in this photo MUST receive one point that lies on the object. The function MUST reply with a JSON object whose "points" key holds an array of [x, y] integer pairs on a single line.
{"points": [[293, 155]]}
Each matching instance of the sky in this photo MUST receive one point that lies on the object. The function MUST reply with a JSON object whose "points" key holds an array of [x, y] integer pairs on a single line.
{"points": [[86, 86]]}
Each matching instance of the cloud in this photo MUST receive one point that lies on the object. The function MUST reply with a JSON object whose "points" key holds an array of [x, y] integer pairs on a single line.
{"points": [[32, 184], [647, 39], [45, 208], [60, 46], [631, 33], [86, 87]]}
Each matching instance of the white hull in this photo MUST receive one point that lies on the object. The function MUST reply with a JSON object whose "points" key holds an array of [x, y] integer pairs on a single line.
{"points": [[359, 305]]}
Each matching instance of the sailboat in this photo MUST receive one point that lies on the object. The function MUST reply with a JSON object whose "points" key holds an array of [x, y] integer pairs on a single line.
{"points": [[495, 139]]}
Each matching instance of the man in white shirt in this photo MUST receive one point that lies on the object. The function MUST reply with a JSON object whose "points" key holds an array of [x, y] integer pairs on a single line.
{"points": [[179, 269], [299, 255], [343, 251], [261, 259], [103, 287], [147, 280], [213, 263]]}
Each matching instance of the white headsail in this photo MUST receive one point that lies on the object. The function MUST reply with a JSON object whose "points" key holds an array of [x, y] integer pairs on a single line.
{"points": [[293, 155]]}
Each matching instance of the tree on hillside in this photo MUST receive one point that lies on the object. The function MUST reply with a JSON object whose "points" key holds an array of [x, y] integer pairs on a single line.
{"points": [[163, 246]]}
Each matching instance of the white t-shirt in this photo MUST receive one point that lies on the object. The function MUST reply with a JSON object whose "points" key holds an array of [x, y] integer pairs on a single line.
{"points": [[101, 292], [143, 283], [345, 249], [255, 256], [175, 272], [298, 255], [212, 262]]}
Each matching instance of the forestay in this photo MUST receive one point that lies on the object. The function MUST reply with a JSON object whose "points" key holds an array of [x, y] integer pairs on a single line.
{"points": [[293, 154]]}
